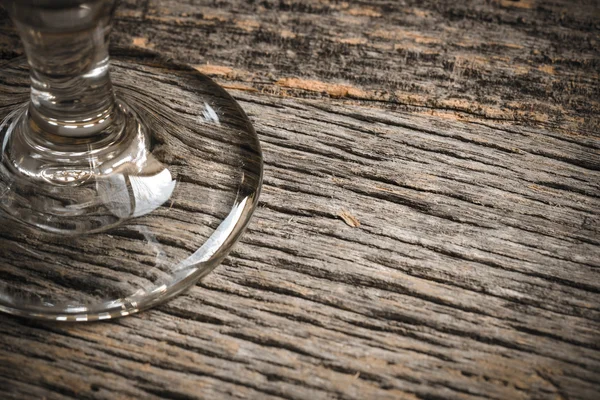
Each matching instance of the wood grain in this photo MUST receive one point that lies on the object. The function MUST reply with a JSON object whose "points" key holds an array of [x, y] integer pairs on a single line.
{"points": [[463, 140]]}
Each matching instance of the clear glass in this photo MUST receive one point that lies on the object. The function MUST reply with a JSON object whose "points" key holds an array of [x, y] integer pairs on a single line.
{"points": [[121, 183]]}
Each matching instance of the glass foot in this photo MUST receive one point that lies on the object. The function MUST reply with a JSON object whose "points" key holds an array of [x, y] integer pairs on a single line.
{"points": [[100, 228]]}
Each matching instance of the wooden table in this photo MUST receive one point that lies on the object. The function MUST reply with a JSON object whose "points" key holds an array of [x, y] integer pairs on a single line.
{"points": [[430, 219]]}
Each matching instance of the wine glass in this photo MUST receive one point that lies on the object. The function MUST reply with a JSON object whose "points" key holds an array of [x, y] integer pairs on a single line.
{"points": [[122, 183]]}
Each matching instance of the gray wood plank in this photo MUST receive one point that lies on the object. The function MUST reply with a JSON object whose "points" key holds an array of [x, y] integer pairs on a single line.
{"points": [[463, 140]]}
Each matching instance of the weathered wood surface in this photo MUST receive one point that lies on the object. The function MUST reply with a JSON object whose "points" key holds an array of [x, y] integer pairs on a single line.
{"points": [[429, 224]]}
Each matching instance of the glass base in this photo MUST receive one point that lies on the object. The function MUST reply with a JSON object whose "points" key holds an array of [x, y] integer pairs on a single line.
{"points": [[102, 227]]}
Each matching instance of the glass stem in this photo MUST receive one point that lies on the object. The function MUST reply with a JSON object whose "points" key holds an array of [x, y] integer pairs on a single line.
{"points": [[67, 50]]}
